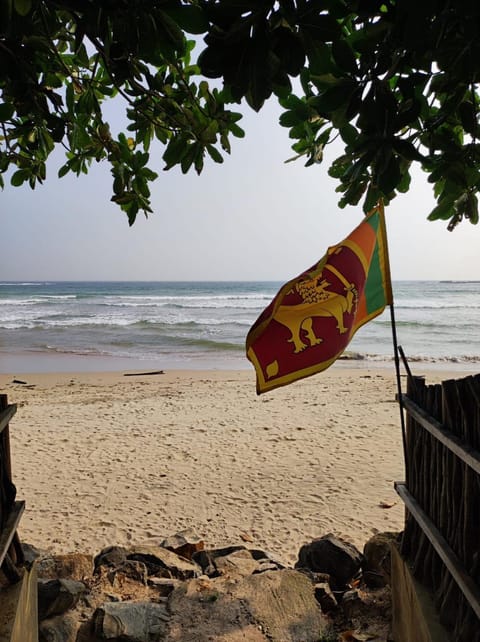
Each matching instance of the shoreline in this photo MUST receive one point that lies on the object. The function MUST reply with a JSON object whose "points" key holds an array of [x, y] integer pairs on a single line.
{"points": [[104, 459], [44, 362]]}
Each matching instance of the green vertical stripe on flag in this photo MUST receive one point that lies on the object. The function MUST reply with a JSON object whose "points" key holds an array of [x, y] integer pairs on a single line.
{"points": [[374, 285], [374, 289]]}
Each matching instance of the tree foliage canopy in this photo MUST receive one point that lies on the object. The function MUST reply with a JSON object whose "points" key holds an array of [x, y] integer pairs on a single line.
{"points": [[396, 80]]}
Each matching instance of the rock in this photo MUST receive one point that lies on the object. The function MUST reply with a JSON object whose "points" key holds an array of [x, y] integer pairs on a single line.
{"points": [[329, 554], [269, 607], [62, 628], [231, 559], [317, 578], [266, 565], [164, 585], [206, 559], [241, 562], [265, 556], [352, 604], [377, 559], [132, 569], [325, 597], [57, 596], [237, 564], [32, 553], [158, 560], [185, 543], [131, 621], [111, 556], [74, 566]]}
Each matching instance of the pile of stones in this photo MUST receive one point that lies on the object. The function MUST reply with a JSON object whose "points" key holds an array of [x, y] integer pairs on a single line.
{"points": [[181, 592]]}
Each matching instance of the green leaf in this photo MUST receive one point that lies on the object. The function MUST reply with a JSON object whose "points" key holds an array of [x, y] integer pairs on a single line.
{"points": [[171, 30], [405, 181], [319, 57], [63, 170], [237, 131], [406, 149], [189, 18], [290, 119], [214, 154], [176, 150], [289, 49], [321, 27], [325, 81], [353, 195], [292, 102], [6, 111], [471, 210], [22, 7], [349, 134], [372, 198], [258, 73], [339, 166], [198, 163], [344, 56], [124, 198], [19, 177], [334, 98], [468, 117], [70, 97], [389, 178], [209, 135], [210, 62], [188, 159], [444, 210]]}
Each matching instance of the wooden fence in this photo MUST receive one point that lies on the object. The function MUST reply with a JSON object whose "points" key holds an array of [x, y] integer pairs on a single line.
{"points": [[441, 540], [11, 555]]}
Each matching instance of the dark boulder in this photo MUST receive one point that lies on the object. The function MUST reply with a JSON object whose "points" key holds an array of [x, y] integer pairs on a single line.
{"points": [[331, 555]]}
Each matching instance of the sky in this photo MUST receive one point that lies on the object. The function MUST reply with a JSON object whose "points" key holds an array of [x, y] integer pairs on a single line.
{"points": [[251, 218]]}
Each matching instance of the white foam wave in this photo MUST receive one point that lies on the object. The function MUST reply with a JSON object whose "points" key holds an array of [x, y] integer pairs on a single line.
{"points": [[15, 284]]}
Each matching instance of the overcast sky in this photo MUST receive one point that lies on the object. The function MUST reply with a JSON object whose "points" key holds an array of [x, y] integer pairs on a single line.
{"points": [[252, 218]]}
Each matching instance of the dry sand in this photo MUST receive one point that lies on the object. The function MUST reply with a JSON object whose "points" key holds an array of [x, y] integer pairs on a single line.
{"points": [[105, 459]]}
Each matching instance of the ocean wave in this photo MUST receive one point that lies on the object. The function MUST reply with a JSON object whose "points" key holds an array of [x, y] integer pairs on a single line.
{"points": [[105, 323], [40, 299], [190, 323], [465, 359], [195, 343], [192, 303], [187, 297], [352, 356], [60, 325], [74, 351], [29, 283], [199, 345], [448, 325], [209, 344], [436, 305], [32, 301], [454, 282], [44, 297], [211, 305]]}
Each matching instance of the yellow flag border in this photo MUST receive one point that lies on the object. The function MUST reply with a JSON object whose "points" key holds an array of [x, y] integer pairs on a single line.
{"points": [[254, 334]]}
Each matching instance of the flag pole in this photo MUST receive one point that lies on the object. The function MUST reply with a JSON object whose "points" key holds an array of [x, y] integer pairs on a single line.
{"points": [[394, 337], [399, 383]]}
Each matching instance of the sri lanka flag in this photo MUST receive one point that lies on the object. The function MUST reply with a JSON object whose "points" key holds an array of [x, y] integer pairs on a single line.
{"points": [[313, 317]]}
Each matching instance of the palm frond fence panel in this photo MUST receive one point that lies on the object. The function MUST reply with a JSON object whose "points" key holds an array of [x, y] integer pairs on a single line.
{"points": [[441, 540]]}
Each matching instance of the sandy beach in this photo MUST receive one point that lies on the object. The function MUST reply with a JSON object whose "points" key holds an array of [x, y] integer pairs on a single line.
{"points": [[104, 458]]}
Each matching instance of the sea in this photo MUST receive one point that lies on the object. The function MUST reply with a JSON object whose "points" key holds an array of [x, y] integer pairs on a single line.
{"points": [[49, 326]]}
